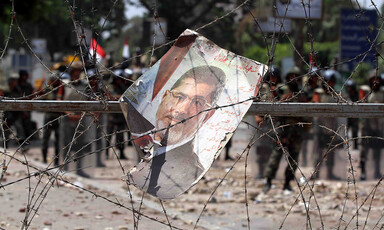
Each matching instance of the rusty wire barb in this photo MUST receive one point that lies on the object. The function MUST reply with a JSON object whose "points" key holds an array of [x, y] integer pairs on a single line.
{"points": [[355, 204]]}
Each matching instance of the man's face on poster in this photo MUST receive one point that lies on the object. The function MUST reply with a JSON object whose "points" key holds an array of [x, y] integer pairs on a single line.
{"points": [[183, 102]]}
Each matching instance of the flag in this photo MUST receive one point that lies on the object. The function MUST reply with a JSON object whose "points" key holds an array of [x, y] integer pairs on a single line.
{"points": [[100, 53], [126, 54]]}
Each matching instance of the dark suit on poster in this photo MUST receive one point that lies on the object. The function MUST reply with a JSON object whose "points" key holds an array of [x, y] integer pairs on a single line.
{"points": [[167, 175]]}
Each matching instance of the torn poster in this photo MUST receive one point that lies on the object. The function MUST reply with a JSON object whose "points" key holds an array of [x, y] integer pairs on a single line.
{"points": [[183, 111]]}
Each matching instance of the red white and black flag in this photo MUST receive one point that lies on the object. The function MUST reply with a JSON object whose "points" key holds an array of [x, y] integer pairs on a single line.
{"points": [[95, 48]]}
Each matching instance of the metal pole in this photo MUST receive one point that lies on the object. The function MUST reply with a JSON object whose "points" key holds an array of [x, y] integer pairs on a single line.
{"points": [[367, 110], [60, 106], [361, 110]]}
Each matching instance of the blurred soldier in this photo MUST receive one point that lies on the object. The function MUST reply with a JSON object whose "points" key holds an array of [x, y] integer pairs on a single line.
{"points": [[272, 86], [95, 89], [290, 136], [14, 118], [325, 136], [13, 82], [110, 60], [136, 64], [372, 127], [116, 121], [312, 84], [25, 87], [309, 92], [62, 71], [268, 92], [353, 123], [26, 90], [74, 138], [54, 91]]}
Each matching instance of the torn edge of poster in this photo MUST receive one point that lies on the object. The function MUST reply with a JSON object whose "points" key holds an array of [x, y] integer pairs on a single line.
{"points": [[183, 111]]}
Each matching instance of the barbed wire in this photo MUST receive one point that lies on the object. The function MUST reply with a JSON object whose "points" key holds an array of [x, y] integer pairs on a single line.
{"points": [[51, 175]]}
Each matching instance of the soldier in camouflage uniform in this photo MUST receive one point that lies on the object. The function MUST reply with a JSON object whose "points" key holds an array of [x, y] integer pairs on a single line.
{"points": [[116, 121], [26, 90], [309, 90], [96, 89], [14, 118], [289, 136], [326, 137], [372, 127], [267, 93], [70, 126], [54, 91], [353, 123]]}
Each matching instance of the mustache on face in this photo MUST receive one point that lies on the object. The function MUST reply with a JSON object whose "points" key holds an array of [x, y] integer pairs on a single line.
{"points": [[176, 117]]}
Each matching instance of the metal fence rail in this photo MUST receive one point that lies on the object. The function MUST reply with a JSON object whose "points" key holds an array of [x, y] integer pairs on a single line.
{"points": [[361, 110], [60, 106], [367, 110]]}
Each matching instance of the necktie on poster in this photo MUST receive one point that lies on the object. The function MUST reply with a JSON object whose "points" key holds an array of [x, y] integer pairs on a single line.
{"points": [[184, 109]]}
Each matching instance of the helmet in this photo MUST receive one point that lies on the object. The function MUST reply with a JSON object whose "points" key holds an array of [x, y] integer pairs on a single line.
{"points": [[124, 73], [373, 73], [374, 79], [92, 74], [294, 70], [314, 72], [65, 75], [77, 65], [68, 59], [351, 83], [273, 71], [128, 72], [330, 74], [118, 72], [13, 76]]}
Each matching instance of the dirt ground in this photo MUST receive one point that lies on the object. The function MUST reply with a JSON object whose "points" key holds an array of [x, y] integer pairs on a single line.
{"points": [[104, 202]]}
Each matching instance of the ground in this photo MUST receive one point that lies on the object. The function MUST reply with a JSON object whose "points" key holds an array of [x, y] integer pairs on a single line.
{"points": [[103, 201]]}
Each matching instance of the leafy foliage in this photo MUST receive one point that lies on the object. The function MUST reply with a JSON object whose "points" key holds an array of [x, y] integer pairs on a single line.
{"points": [[324, 51], [52, 19], [184, 14]]}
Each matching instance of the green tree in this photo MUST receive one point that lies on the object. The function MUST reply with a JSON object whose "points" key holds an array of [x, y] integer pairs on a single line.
{"points": [[324, 33], [191, 14], [54, 20]]}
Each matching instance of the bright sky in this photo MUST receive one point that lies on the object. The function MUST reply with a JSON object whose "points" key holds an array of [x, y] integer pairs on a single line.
{"points": [[368, 3], [131, 11]]}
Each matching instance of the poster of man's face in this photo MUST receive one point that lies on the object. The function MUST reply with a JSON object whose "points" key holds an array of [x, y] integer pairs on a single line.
{"points": [[183, 111], [180, 113]]}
